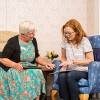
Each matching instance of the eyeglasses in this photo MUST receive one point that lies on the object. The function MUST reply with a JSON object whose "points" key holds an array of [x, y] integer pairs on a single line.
{"points": [[31, 33], [68, 33]]}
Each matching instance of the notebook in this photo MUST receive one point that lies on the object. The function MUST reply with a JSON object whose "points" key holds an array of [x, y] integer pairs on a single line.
{"points": [[57, 72], [31, 67]]}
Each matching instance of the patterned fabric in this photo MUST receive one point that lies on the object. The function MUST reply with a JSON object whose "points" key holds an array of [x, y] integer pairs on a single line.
{"points": [[57, 63], [83, 83], [4, 88], [95, 41], [77, 53], [94, 68], [93, 79], [26, 52], [26, 85]]}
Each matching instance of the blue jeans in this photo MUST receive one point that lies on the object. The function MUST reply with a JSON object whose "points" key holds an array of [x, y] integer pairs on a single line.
{"points": [[68, 86]]}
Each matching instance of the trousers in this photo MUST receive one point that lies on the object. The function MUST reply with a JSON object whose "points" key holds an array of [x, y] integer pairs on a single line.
{"points": [[68, 84]]}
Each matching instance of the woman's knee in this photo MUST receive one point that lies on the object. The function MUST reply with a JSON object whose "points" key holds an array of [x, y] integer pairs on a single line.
{"points": [[62, 76], [76, 75], [70, 75]]}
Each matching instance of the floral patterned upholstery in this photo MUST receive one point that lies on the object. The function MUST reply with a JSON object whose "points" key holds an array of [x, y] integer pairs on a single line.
{"points": [[93, 80], [92, 85], [93, 70], [57, 63], [95, 41]]}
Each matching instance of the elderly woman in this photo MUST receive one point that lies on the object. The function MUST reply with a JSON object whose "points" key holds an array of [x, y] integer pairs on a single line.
{"points": [[22, 50]]}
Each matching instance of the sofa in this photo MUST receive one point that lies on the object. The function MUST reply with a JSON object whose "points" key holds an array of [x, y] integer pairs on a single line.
{"points": [[4, 36]]}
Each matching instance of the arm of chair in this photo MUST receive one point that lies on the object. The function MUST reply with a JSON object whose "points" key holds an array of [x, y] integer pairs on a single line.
{"points": [[57, 63], [55, 87], [94, 76], [93, 82]]}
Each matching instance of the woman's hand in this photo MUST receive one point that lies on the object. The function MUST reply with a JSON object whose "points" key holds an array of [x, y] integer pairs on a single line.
{"points": [[63, 68], [18, 67], [65, 63], [50, 66]]}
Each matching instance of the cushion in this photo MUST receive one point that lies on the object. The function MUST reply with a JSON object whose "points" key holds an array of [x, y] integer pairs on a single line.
{"points": [[83, 83], [84, 90], [4, 36], [55, 87]]}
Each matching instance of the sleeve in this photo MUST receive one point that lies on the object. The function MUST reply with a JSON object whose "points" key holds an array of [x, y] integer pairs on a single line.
{"points": [[8, 49], [36, 48], [63, 44], [87, 45]]}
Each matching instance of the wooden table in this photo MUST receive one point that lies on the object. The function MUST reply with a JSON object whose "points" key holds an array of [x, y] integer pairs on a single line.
{"points": [[49, 81], [46, 72]]}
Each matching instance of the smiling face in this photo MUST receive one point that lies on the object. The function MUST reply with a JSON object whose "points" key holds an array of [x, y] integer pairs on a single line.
{"points": [[69, 33], [73, 31], [29, 36], [27, 31]]}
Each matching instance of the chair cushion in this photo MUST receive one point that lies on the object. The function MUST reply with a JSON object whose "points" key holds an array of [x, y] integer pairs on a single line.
{"points": [[83, 83], [84, 90], [94, 76], [93, 79], [55, 87]]}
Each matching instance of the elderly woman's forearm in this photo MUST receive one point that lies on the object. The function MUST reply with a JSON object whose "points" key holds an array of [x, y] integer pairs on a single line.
{"points": [[7, 62], [41, 61]]}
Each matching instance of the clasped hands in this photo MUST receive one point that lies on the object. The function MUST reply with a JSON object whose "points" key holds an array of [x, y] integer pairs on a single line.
{"points": [[18, 66]]}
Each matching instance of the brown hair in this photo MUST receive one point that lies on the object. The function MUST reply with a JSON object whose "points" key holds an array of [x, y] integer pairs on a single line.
{"points": [[76, 26]]}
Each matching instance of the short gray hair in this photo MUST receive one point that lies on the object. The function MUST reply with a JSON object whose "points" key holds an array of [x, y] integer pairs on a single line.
{"points": [[25, 27]]}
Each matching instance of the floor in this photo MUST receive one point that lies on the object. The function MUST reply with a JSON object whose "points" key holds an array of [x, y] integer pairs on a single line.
{"points": [[49, 98]]}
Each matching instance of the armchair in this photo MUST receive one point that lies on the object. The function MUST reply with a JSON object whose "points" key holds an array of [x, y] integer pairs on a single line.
{"points": [[92, 85]]}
